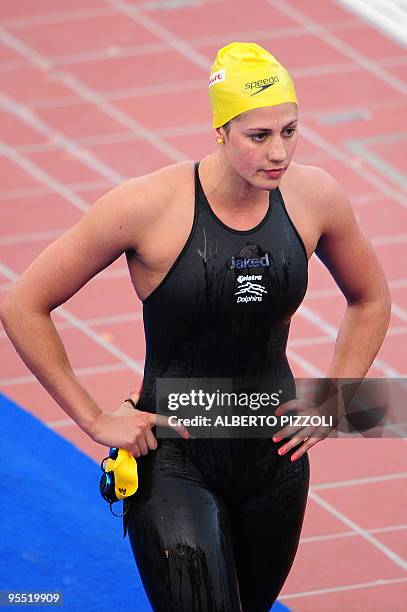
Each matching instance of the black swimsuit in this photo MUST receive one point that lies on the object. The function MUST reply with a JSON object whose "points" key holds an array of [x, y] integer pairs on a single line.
{"points": [[215, 524]]}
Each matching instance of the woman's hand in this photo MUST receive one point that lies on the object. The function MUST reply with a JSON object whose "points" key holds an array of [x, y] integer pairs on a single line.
{"points": [[130, 429], [306, 431]]}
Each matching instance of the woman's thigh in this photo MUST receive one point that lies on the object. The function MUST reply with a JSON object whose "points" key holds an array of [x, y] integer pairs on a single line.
{"points": [[180, 534], [266, 532]]}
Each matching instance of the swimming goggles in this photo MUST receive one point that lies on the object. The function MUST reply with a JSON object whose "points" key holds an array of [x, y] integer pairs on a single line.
{"points": [[120, 478]]}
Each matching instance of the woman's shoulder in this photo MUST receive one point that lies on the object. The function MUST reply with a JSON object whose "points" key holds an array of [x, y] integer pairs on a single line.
{"points": [[322, 195], [145, 197], [311, 178], [315, 187], [166, 179]]}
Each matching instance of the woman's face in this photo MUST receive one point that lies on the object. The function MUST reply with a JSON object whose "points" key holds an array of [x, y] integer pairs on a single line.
{"points": [[261, 143]]}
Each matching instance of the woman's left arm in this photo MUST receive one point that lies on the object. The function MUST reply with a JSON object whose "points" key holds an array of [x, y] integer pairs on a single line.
{"points": [[351, 260]]}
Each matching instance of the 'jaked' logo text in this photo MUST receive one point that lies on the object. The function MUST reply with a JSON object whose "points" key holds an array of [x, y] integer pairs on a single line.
{"points": [[243, 263]]}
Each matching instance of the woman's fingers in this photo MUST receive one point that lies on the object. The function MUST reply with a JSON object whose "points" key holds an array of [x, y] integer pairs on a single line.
{"points": [[306, 440], [151, 440], [135, 451], [286, 407], [303, 415], [155, 419], [306, 445], [162, 421], [292, 443], [142, 446]]}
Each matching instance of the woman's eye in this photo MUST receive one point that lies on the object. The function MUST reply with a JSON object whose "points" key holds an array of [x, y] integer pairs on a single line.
{"points": [[290, 131], [258, 137]]}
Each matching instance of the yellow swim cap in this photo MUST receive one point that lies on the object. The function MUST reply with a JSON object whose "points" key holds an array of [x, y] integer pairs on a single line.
{"points": [[246, 76]]}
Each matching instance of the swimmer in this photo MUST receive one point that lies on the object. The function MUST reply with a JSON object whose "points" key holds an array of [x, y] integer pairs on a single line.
{"points": [[218, 253]]}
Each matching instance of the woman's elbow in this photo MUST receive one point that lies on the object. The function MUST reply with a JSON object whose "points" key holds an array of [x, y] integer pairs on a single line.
{"points": [[14, 304], [380, 307], [375, 303], [6, 308]]}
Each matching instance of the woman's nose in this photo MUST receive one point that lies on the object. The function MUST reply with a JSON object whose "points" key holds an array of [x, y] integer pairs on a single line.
{"points": [[276, 151]]}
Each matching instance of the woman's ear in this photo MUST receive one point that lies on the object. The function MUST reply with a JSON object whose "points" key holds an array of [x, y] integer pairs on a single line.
{"points": [[220, 135]]}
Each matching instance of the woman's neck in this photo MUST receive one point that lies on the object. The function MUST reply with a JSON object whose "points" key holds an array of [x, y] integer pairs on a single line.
{"points": [[224, 186]]}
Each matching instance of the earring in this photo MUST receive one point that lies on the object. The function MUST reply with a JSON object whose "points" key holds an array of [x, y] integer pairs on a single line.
{"points": [[220, 141]]}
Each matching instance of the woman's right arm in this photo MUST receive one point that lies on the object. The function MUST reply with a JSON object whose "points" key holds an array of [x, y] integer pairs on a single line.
{"points": [[108, 229]]}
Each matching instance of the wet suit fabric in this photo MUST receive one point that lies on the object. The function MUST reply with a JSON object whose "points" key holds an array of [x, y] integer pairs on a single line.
{"points": [[215, 523]]}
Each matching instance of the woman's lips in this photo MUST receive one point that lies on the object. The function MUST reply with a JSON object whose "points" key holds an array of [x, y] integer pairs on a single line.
{"points": [[274, 173]]}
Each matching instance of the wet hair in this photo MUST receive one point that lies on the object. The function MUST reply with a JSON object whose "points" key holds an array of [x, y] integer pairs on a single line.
{"points": [[227, 126]]}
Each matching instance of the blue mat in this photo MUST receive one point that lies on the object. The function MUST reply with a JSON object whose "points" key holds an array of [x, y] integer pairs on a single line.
{"points": [[57, 534]]}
